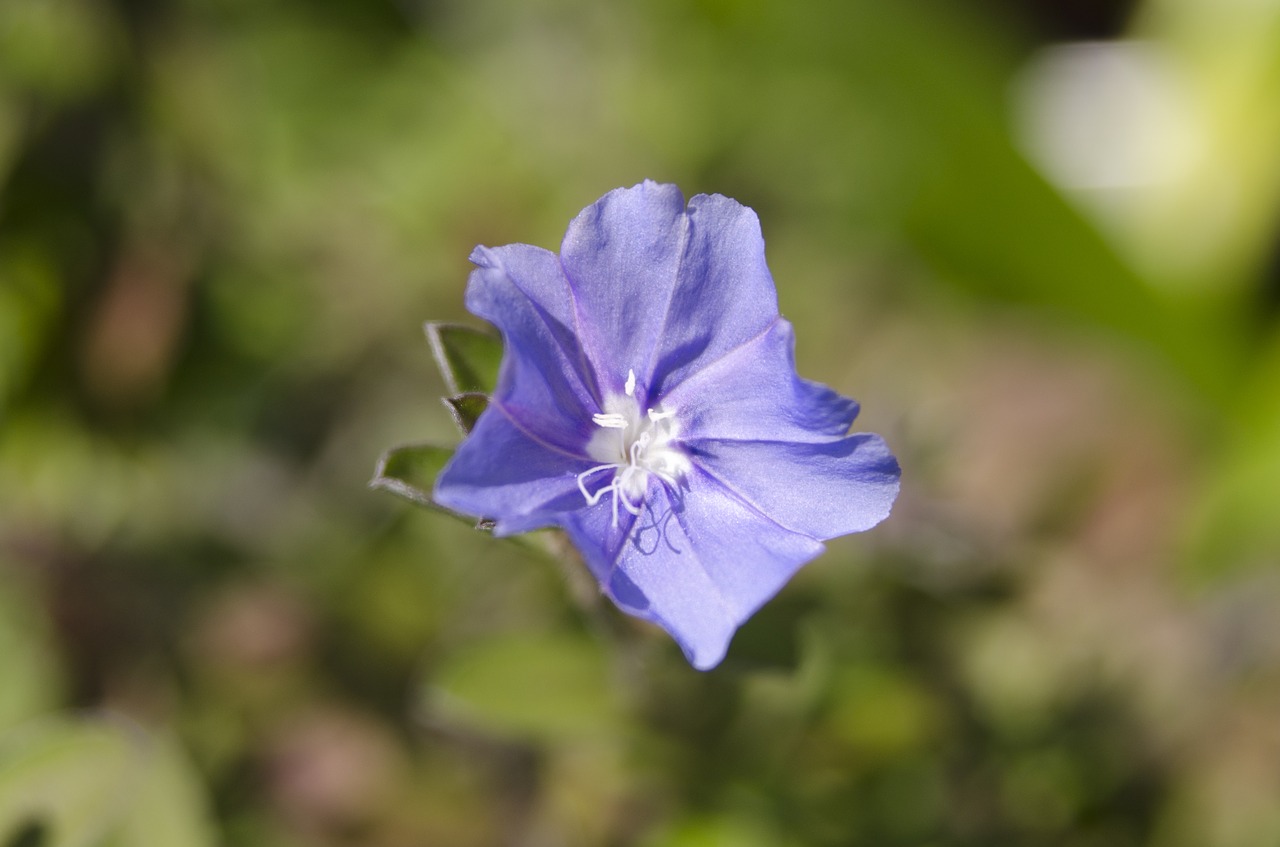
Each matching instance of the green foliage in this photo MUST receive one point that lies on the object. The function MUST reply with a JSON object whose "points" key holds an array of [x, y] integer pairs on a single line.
{"points": [[168, 807], [67, 777], [540, 688], [59, 48], [31, 675], [29, 301], [1236, 528], [66, 782]]}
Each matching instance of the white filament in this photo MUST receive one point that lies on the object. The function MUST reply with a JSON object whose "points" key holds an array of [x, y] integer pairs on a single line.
{"points": [[610, 421], [645, 446]]}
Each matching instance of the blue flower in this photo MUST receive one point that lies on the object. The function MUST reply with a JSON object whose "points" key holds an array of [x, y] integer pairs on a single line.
{"points": [[648, 404]]}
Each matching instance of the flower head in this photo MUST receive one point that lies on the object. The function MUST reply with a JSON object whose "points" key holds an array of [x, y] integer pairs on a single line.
{"points": [[648, 404]]}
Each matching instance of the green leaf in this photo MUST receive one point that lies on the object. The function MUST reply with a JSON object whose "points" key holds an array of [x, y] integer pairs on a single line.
{"points": [[541, 688], [66, 779], [466, 409], [468, 358]]}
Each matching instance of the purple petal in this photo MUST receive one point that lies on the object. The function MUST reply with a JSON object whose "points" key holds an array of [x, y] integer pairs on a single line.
{"points": [[698, 565], [821, 489], [596, 537], [724, 294], [663, 290], [622, 256], [544, 382], [754, 394], [504, 473]]}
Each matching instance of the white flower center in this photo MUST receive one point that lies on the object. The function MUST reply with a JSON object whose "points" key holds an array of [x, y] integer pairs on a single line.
{"points": [[633, 446]]}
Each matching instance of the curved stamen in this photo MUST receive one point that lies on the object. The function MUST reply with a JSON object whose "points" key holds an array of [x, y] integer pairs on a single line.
{"points": [[592, 499]]}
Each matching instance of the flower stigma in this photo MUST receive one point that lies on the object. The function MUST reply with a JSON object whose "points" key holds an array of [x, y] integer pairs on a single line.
{"points": [[643, 446]]}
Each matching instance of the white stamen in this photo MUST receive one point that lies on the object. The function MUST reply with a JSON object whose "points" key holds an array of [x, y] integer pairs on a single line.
{"points": [[592, 499], [610, 421], [646, 445]]}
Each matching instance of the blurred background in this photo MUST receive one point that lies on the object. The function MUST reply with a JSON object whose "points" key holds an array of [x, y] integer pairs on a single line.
{"points": [[1038, 242]]}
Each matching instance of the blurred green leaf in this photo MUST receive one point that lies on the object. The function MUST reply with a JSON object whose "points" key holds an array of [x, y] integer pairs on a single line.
{"points": [[466, 409], [927, 86], [726, 830], [1235, 528], [169, 808], [539, 687], [1227, 62], [1030, 247], [69, 777], [883, 713], [30, 670], [57, 47], [29, 301], [468, 358], [12, 127], [34, 833]]}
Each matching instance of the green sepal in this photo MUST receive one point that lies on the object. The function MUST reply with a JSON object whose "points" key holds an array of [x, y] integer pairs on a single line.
{"points": [[468, 358], [409, 471], [466, 409]]}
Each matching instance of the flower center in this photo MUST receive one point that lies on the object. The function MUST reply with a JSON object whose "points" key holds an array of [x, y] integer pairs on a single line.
{"points": [[634, 447]]}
